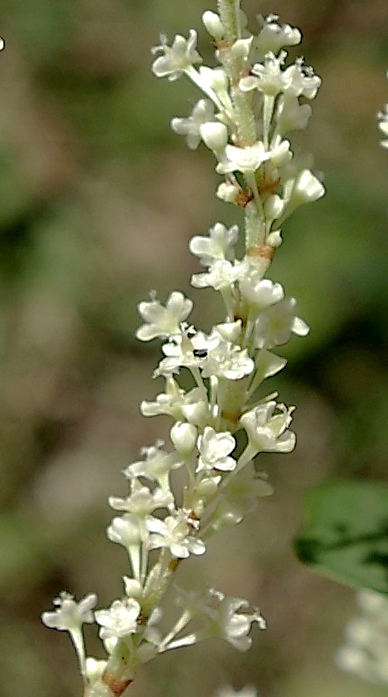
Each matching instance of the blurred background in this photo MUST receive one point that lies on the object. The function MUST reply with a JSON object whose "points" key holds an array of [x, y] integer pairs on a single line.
{"points": [[98, 199]]}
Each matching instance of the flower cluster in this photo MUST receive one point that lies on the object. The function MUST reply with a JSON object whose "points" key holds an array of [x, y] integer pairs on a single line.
{"points": [[382, 118], [253, 101], [365, 652], [224, 418]]}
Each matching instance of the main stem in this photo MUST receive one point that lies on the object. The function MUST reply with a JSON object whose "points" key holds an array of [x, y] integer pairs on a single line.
{"points": [[255, 224]]}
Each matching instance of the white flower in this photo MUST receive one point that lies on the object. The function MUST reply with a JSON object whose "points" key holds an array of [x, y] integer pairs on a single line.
{"points": [[301, 81], [275, 325], [156, 466], [214, 448], [250, 158], [69, 614], [221, 274], [261, 293], [177, 58], [290, 115], [163, 321], [274, 36], [218, 245], [266, 426], [307, 188], [227, 360], [268, 78], [131, 532], [195, 409], [230, 331], [141, 501], [126, 530], [119, 620], [188, 350], [174, 533], [267, 364], [203, 112], [230, 624]]}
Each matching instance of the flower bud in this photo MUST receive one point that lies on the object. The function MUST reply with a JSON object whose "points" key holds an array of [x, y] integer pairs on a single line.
{"points": [[228, 192], [307, 188], [184, 437], [213, 24], [215, 136], [273, 207]]}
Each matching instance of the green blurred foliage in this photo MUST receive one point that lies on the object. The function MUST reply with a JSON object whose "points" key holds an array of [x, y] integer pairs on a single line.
{"points": [[344, 533], [98, 199]]}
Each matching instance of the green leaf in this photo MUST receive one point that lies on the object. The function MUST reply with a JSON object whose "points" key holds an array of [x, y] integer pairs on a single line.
{"points": [[344, 533]]}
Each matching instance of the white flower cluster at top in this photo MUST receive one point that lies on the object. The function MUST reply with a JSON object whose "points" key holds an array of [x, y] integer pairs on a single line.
{"points": [[253, 99]]}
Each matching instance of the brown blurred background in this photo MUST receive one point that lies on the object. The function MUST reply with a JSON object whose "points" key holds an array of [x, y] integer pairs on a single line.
{"points": [[98, 199]]}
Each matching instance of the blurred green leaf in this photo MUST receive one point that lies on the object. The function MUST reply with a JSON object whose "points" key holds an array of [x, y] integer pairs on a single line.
{"points": [[344, 533]]}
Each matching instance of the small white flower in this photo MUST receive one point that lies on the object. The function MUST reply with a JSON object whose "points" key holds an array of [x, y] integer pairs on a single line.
{"points": [[243, 159], [307, 188], [274, 36], [214, 448], [266, 426], [141, 501], [290, 115], [275, 325], [177, 58], [119, 620], [174, 533], [229, 623], [227, 360], [202, 113], [301, 81], [156, 466], [188, 350], [168, 402], [163, 321], [221, 274], [250, 158], [69, 614], [218, 245], [269, 78], [230, 331], [261, 293], [126, 530]]}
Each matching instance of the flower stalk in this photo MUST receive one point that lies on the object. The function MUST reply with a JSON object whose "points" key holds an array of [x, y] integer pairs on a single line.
{"points": [[224, 420]]}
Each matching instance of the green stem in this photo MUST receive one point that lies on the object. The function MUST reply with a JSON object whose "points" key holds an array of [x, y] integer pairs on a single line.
{"points": [[229, 13]]}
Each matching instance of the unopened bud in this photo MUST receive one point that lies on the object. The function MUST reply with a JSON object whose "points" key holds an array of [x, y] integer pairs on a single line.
{"points": [[184, 437]]}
